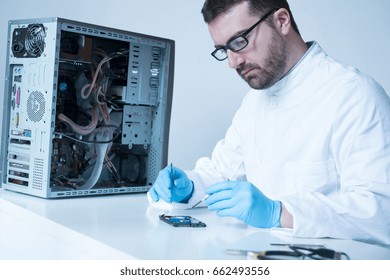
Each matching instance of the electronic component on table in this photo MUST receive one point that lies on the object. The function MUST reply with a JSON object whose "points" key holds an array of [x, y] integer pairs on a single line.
{"points": [[181, 221]]}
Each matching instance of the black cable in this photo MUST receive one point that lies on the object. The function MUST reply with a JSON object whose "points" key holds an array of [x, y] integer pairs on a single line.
{"points": [[302, 253], [276, 255]]}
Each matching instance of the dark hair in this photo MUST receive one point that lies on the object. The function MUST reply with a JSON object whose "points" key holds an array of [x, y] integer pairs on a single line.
{"points": [[213, 8]]}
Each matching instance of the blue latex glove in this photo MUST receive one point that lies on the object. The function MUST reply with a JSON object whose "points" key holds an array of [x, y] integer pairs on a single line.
{"points": [[172, 185], [244, 201]]}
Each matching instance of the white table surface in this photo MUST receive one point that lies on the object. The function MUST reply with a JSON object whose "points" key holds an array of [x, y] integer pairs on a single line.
{"points": [[126, 227]]}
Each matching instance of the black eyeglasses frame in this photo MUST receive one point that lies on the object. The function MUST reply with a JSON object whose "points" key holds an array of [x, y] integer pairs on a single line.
{"points": [[242, 36]]}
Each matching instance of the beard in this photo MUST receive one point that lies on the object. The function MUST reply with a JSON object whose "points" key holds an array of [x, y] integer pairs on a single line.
{"points": [[273, 69]]}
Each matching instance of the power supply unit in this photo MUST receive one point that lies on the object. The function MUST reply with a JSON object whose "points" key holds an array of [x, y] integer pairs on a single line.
{"points": [[86, 108]]}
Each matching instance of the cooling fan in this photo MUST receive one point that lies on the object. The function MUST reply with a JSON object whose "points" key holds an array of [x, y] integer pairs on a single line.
{"points": [[35, 39], [29, 41]]}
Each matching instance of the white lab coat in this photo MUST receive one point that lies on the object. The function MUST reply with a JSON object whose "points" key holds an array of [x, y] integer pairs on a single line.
{"points": [[319, 141]]}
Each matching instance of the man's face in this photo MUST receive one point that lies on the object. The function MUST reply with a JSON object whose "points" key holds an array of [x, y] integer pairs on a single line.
{"points": [[263, 61]]}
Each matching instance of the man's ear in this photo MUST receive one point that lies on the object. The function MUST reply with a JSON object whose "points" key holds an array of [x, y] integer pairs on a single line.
{"points": [[282, 21]]}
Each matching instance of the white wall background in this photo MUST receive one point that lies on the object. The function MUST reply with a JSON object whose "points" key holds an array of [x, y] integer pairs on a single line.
{"points": [[207, 92]]}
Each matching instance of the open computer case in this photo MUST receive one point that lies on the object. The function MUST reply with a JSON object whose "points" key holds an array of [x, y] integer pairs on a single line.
{"points": [[86, 108]]}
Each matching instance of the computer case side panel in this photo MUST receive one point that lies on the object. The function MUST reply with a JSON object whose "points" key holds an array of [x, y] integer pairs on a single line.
{"points": [[167, 99]]}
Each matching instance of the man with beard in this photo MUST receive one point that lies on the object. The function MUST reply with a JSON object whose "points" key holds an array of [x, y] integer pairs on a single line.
{"points": [[309, 148]]}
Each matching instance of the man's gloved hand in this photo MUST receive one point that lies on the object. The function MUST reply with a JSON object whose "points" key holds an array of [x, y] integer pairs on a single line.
{"points": [[245, 202], [172, 185]]}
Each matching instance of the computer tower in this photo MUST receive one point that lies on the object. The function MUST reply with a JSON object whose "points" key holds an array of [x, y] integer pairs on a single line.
{"points": [[86, 108]]}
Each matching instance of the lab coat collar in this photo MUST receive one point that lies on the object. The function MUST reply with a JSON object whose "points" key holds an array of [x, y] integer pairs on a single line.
{"points": [[306, 65]]}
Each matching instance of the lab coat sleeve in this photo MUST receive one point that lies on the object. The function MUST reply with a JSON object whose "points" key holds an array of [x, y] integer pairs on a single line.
{"points": [[360, 209]]}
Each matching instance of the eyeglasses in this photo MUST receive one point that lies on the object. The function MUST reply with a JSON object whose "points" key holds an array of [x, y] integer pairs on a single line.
{"points": [[238, 43]]}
